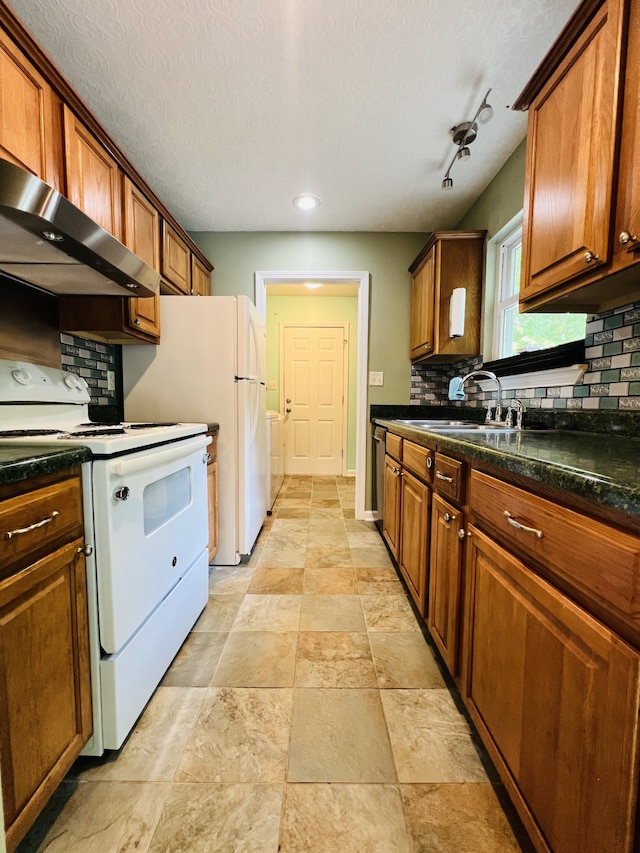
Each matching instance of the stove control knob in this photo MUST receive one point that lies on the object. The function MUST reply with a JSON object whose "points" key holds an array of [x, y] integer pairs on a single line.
{"points": [[122, 494], [21, 375]]}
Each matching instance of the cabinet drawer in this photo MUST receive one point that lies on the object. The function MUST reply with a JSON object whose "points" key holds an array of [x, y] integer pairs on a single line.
{"points": [[449, 477], [39, 520], [394, 446], [419, 460], [597, 559]]}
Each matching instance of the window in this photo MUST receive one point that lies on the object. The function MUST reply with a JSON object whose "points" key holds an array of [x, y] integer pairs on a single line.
{"points": [[516, 333]]}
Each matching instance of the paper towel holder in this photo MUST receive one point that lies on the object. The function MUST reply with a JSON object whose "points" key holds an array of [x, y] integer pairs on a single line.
{"points": [[457, 312]]}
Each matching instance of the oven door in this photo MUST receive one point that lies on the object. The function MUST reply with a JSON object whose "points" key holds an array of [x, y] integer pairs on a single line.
{"points": [[151, 523]]}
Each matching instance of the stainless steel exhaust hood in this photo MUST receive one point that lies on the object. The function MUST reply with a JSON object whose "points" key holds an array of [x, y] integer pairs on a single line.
{"points": [[47, 241]]}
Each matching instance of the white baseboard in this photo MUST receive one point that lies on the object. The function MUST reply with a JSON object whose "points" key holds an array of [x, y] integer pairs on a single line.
{"points": [[370, 515]]}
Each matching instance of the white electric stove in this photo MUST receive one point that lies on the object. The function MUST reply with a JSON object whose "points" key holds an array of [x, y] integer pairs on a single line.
{"points": [[146, 522]]}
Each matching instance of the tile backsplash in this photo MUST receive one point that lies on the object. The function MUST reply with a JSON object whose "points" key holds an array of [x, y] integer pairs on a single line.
{"points": [[94, 362], [611, 380]]}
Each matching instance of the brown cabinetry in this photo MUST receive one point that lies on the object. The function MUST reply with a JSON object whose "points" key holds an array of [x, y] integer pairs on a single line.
{"points": [[445, 580], [45, 691], [30, 131], [113, 319], [582, 192], [175, 261], [200, 278], [94, 181], [414, 537], [212, 493], [554, 693], [449, 260], [407, 501], [392, 504]]}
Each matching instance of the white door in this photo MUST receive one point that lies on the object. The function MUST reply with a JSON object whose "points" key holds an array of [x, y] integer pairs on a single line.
{"points": [[314, 359]]}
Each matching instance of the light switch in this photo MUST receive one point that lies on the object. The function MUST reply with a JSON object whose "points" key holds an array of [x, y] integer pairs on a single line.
{"points": [[376, 377]]}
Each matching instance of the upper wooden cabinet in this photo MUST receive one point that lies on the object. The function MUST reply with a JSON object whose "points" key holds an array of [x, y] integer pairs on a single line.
{"points": [[30, 132], [94, 181], [200, 278], [142, 236], [449, 260], [582, 190], [176, 260], [122, 320]]}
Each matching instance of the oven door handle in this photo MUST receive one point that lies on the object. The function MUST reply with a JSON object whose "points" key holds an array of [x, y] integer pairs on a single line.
{"points": [[154, 458]]}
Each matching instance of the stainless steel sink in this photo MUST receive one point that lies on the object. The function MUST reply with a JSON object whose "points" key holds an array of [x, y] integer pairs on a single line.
{"points": [[434, 425]]}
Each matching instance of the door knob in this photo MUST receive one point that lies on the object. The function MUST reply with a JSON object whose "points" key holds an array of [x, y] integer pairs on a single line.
{"points": [[287, 410]]}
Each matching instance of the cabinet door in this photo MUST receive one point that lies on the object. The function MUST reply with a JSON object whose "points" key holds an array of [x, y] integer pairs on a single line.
{"points": [[557, 694], [29, 133], [45, 692], [392, 498], [571, 152], [93, 176], [445, 573], [422, 308], [200, 278], [626, 245], [176, 260], [414, 525], [142, 236]]}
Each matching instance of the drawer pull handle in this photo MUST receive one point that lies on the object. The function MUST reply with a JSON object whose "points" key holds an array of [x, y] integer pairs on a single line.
{"points": [[448, 517], [429, 461], [512, 521], [11, 533], [444, 477]]}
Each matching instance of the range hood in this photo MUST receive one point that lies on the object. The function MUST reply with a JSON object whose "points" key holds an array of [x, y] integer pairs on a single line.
{"points": [[46, 241]]}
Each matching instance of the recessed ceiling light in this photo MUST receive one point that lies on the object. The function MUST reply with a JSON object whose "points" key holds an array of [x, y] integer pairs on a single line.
{"points": [[306, 201], [312, 285]]}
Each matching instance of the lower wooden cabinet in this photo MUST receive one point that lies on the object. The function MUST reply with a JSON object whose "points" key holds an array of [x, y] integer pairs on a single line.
{"points": [[414, 525], [554, 694], [392, 503], [44, 683], [445, 580]]}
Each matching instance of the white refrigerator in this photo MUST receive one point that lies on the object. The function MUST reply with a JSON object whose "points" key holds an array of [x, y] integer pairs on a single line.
{"points": [[210, 367]]}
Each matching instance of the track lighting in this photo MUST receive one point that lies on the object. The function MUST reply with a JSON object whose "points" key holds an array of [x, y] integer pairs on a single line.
{"points": [[464, 134]]}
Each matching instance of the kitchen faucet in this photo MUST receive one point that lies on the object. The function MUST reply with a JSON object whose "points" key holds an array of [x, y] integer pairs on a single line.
{"points": [[456, 390]]}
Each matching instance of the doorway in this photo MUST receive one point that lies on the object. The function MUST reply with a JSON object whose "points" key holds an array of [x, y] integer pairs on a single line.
{"points": [[360, 279], [313, 382]]}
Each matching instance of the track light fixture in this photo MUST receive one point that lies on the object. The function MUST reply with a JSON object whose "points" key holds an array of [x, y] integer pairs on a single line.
{"points": [[464, 134]]}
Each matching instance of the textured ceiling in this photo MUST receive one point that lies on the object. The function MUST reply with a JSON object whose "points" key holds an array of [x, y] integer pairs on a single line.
{"points": [[229, 108]]}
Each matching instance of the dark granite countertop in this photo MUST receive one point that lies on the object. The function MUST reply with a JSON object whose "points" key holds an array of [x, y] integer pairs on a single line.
{"points": [[22, 461], [600, 467]]}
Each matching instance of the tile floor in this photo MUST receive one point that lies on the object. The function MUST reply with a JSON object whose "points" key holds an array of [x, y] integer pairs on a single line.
{"points": [[305, 712]]}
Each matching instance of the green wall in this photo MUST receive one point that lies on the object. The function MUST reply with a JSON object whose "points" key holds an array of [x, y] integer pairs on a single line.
{"points": [[238, 255], [501, 200], [315, 310]]}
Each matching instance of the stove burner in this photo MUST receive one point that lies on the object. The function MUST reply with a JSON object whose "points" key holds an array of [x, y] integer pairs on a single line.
{"points": [[149, 426], [24, 433], [93, 433]]}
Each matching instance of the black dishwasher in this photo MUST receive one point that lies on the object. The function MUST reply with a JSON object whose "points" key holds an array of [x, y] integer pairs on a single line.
{"points": [[379, 441]]}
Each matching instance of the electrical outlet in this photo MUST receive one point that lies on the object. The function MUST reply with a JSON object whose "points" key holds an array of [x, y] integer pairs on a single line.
{"points": [[111, 380], [376, 377], [272, 386]]}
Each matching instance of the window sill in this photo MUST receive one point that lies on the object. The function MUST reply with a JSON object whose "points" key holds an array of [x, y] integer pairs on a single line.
{"points": [[559, 376]]}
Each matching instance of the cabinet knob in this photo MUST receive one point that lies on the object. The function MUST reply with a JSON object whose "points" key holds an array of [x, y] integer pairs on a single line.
{"points": [[627, 237], [448, 517], [136, 322], [462, 534], [589, 257], [87, 550]]}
